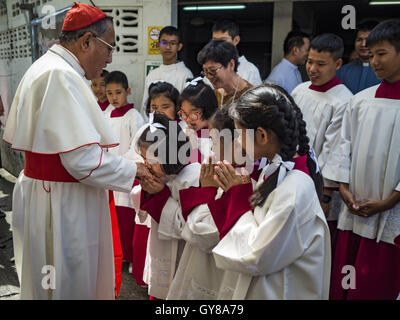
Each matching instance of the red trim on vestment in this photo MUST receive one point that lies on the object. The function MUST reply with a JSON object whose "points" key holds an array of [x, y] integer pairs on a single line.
{"points": [[84, 145], [325, 87], [388, 90], [193, 197], [120, 112], [101, 158], [230, 207], [154, 204]]}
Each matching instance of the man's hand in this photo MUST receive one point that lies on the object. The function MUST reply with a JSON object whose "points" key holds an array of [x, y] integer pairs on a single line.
{"points": [[142, 171]]}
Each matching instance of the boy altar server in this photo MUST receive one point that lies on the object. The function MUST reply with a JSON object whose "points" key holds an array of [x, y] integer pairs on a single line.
{"points": [[365, 160], [61, 217], [172, 70], [322, 102]]}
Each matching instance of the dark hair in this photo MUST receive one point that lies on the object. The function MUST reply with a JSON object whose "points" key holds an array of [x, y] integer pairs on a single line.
{"points": [[201, 96], [219, 51], [171, 31], [98, 28], [388, 30], [272, 108], [172, 156], [165, 89], [226, 26], [366, 25], [294, 39], [117, 77], [104, 73], [222, 119], [328, 42]]}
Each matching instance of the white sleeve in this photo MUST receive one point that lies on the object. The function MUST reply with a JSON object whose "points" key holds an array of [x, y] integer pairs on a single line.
{"points": [[171, 221], [93, 166], [397, 187], [200, 229], [338, 161], [262, 248], [255, 78]]}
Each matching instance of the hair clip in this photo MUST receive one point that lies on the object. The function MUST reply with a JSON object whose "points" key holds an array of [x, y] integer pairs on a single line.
{"points": [[194, 82], [154, 126]]}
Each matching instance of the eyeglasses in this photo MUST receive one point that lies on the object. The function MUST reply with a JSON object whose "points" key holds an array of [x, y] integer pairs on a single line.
{"points": [[194, 115], [168, 43], [111, 49], [210, 72]]}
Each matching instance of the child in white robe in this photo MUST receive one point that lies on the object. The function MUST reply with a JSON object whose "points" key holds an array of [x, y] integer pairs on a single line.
{"points": [[125, 122], [99, 89], [322, 101], [197, 103], [163, 98], [197, 276], [280, 244], [166, 155], [171, 70], [365, 160]]}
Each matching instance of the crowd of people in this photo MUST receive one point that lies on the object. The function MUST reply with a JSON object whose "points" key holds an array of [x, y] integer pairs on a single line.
{"points": [[304, 182]]}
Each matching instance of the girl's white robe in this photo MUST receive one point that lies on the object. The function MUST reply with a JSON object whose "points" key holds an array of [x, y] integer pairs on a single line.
{"points": [[281, 250], [165, 243]]}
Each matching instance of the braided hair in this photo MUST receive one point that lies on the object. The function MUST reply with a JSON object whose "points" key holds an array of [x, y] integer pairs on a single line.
{"points": [[270, 107]]}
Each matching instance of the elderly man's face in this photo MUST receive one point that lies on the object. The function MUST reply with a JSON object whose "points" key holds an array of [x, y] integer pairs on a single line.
{"points": [[100, 54]]}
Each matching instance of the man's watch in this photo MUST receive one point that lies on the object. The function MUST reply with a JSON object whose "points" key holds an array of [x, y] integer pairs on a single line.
{"points": [[325, 198]]}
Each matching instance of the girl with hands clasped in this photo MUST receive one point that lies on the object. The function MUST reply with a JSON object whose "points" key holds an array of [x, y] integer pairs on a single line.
{"points": [[274, 239], [166, 156], [197, 276]]}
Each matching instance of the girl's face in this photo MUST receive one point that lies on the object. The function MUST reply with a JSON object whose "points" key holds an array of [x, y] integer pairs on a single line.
{"points": [[152, 163], [223, 147], [192, 116], [254, 143], [162, 104]]}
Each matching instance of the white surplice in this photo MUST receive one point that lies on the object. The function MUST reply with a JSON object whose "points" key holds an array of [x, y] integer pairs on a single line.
{"points": [[282, 249], [366, 156], [125, 128], [323, 114], [165, 243], [176, 74], [65, 225]]}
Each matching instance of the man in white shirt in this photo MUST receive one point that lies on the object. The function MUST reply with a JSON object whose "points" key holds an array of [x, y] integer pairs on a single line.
{"points": [[229, 31], [172, 70], [286, 73], [61, 218]]}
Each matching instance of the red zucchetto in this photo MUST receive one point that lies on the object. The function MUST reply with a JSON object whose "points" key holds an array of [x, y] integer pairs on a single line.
{"points": [[80, 16]]}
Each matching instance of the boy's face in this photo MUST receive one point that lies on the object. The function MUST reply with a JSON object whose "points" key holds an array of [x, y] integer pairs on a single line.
{"points": [[220, 35], [321, 67], [169, 46], [360, 45], [117, 95], [99, 89], [385, 61]]}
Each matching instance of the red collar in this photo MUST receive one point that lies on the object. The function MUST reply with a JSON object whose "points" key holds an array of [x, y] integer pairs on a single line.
{"points": [[388, 90], [103, 105], [300, 163], [119, 112], [325, 87], [203, 133]]}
